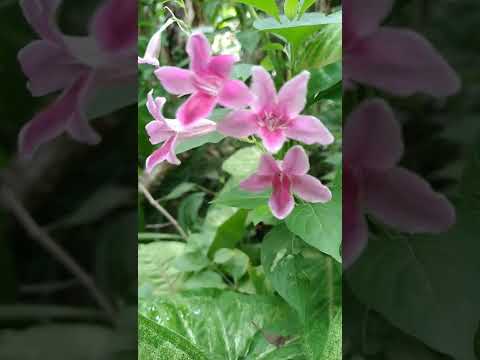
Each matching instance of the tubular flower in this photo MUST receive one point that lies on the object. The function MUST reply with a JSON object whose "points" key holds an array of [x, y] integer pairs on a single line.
{"points": [[170, 132], [274, 118], [373, 183], [208, 80], [286, 178]]}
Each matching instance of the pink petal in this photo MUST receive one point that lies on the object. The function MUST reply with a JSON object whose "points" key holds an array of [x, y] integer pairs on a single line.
{"points": [[158, 131], [281, 202], [268, 166], [239, 124], [309, 130], [311, 189], [40, 15], [354, 226], [372, 137], [402, 63], [199, 128], [405, 201], [175, 80], [197, 107], [198, 50], [235, 94], [152, 51], [292, 97], [155, 106], [264, 90], [115, 25], [364, 17], [272, 140], [165, 153], [222, 65], [51, 122], [296, 161], [80, 129], [256, 183], [48, 67]]}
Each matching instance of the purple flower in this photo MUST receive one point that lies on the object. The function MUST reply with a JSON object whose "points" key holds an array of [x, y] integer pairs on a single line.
{"points": [[395, 60], [274, 118], [286, 178], [373, 183], [170, 132], [208, 80]]}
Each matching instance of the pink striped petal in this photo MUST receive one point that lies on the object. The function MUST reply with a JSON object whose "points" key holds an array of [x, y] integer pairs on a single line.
{"points": [[268, 166], [372, 137], [198, 50], [281, 202], [256, 183], [175, 80], [239, 124], [165, 153], [115, 25], [80, 129], [309, 130], [40, 14], [264, 90], [235, 94], [296, 161], [384, 60], [405, 201], [152, 51], [199, 128], [272, 140], [311, 189], [292, 97], [48, 67], [222, 65], [158, 132], [155, 106], [197, 107]]}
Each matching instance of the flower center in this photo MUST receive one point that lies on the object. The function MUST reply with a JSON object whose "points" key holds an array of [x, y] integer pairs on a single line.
{"points": [[272, 121], [209, 84]]}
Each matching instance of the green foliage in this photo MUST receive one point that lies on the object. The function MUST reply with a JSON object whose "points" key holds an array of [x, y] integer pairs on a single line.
{"points": [[268, 6]]}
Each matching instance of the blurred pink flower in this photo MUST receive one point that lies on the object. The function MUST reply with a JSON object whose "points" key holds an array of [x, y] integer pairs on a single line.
{"points": [[207, 80], [78, 66], [274, 118], [287, 177], [373, 183], [398, 61], [170, 132]]}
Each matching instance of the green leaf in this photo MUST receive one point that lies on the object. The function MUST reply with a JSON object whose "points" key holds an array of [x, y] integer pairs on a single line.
{"points": [[320, 225], [268, 6], [180, 190], [242, 71], [324, 48], [249, 40], [230, 232], [321, 80], [239, 198], [191, 261], [233, 261], [305, 5], [156, 342], [203, 280], [262, 214], [243, 163], [333, 347], [297, 32], [188, 210], [220, 322], [291, 8], [156, 276]]}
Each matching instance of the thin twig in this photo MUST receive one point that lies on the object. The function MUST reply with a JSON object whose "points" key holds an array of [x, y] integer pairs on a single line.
{"points": [[162, 210], [37, 233]]}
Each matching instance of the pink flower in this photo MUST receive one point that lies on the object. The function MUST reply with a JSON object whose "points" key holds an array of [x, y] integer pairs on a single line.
{"points": [[396, 60], [373, 183], [170, 132], [274, 118], [59, 62], [207, 80], [287, 177], [152, 51]]}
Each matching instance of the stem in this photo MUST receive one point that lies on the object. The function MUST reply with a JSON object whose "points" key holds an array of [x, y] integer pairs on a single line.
{"points": [[162, 210], [37, 233]]}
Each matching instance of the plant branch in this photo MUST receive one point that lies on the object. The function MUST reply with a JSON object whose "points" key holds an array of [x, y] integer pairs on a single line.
{"points": [[13, 204], [162, 210]]}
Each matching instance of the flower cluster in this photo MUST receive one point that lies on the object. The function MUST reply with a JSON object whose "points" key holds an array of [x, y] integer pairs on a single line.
{"points": [[256, 111]]}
